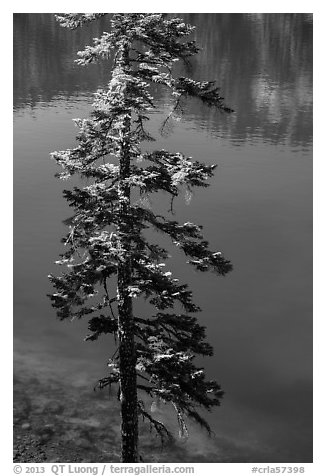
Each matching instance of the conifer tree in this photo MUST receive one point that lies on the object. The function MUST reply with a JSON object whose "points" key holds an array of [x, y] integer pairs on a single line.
{"points": [[107, 245]]}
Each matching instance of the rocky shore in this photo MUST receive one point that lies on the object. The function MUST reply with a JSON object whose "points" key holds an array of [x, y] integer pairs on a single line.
{"points": [[58, 419]]}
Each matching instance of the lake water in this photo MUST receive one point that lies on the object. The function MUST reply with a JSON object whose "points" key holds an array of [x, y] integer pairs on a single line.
{"points": [[258, 211]]}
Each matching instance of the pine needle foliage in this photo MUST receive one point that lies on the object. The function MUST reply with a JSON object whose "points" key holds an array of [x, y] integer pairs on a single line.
{"points": [[107, 240]]}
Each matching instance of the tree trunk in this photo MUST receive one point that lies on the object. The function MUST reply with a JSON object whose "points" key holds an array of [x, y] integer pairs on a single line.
{"points": [[127, 353], [128, 383]]}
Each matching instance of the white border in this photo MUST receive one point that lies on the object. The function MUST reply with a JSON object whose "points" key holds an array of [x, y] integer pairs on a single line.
{"points": [[316, 7]]}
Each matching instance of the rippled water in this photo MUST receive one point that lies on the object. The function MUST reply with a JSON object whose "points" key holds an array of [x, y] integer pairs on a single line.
{"points": [[258, 211]]}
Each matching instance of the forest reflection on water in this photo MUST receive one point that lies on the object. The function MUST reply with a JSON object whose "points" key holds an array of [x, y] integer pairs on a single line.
{"points": [[263, 64], [257, 211]]}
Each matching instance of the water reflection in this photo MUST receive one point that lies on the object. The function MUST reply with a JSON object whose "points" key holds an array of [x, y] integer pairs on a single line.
{"points": [[263, 63], [43, 61]]}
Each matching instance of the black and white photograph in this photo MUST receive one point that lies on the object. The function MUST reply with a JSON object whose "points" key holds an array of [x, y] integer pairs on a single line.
{"points": [[163, 238]]}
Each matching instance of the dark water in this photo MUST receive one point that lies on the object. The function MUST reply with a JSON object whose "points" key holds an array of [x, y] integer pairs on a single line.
{"points": [[258, 211]]}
